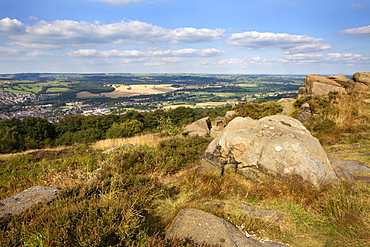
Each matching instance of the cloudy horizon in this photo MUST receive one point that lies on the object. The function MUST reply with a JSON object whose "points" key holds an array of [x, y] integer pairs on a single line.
{"points": [[164, 36]]}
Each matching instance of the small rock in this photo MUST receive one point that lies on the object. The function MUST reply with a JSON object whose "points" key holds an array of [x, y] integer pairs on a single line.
{"points": [[26, 199], [205, 228], [347, 168], [262, 213], [123, 146]]}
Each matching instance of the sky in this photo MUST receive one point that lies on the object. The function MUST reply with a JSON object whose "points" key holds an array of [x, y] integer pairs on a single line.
{"points": [[185, 36]]}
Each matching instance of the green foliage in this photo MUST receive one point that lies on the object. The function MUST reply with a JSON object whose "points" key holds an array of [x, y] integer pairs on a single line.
{"points": [[257, 111], [125, 129], [167, 127]]}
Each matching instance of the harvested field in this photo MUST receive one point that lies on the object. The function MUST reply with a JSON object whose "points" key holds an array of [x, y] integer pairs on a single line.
{"points": [[132, 90], [202, 105]]}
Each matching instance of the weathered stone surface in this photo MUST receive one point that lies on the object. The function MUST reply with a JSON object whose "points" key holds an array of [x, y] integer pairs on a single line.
{"points": [[230, 114], [358, 86], [219, 123], [262, 213], [123, 146], [274, 145], [341, 79], [347, 168], [26, 199], [319, 88], [304, 113], [201, 127], [321, 85], [362, 77], [287, 104], [205, 228]]}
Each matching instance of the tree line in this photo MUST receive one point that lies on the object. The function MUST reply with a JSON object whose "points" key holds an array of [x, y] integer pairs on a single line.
{"points": [[35, 132]]}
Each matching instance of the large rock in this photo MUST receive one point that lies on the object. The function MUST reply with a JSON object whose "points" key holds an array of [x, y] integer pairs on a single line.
{"points": [[341, 79], [362, 77], [274, 145], [205, 228], [322, 85], [26, 199], [200, 127]]}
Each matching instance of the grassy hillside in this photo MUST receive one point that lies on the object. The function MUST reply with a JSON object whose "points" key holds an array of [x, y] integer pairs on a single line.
{"points": [[133, 195]]}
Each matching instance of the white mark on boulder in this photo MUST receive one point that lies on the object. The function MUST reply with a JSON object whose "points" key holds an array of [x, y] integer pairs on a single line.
{"points": [[278, 148], [271, 128]]}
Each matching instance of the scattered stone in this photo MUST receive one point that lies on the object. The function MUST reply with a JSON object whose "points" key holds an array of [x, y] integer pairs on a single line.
{"points": [[304, 113], [261, 213], [26, 199], [201, 127], [220, 205], [123, 146], [287, 104], [205, 228], [274, 145], [347, 168]]}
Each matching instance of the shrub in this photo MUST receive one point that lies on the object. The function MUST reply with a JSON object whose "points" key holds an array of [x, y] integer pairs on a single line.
{"points": [[257, 111]]}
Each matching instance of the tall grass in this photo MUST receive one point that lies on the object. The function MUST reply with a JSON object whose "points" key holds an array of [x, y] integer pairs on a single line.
{"points": [[339, 117], [147, 139], [136, 193]]}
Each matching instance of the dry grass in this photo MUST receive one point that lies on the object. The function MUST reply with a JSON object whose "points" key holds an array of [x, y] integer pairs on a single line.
{"points": [[351, 110], [4, 156], [132, 90], [148, 139]]}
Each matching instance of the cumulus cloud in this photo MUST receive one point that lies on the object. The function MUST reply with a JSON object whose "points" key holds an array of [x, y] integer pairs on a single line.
{"points": [[11, 26], [62, 33], [283, 41], [360, 31], [190, 52]]}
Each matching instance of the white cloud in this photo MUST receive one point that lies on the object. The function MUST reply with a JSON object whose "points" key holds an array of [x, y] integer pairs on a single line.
{"points": [[360, 31], [192, 35], [62, 33], [11, 26], [283, 41], [119, 2], [111, 53], [327, 58], [190, 52]]}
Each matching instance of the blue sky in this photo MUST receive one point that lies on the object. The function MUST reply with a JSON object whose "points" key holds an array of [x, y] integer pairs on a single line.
{"points": [[173, 36]]}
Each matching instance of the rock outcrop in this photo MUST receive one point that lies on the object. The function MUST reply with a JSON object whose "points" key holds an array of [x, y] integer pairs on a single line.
{"points": [[26, 199], [201, 127], [322, 85], [205, 228], [274, 145], [204, 126]]}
